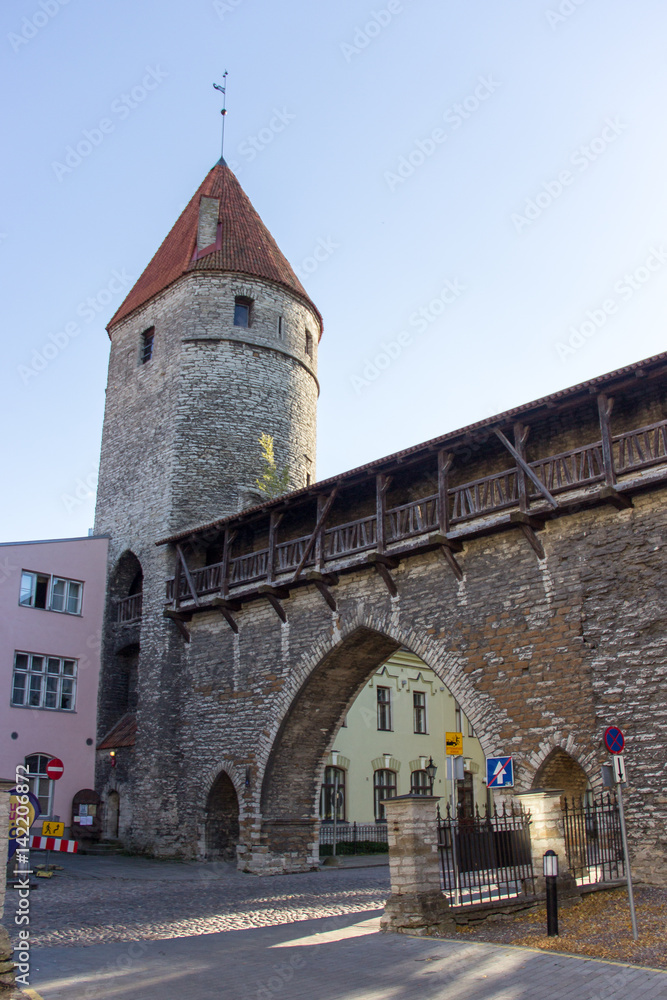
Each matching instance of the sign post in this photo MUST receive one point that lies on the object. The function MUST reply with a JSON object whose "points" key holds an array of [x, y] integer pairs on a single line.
{"points": [[454, 755], [614, 741]]}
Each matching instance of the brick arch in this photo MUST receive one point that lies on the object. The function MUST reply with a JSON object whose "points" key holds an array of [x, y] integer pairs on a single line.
{"points": [[562, 771], [323, 687]]}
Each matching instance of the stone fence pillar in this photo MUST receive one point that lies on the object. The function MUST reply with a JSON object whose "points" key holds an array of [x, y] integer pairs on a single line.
{"points": [[417, 904], [547, 833], [6, 951]]}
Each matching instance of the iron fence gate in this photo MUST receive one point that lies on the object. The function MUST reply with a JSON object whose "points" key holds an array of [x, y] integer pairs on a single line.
{"points": [[593, 840], [354, 838], [485, 857]]}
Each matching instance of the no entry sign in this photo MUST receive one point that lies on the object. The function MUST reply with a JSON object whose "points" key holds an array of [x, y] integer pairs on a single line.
{"points": [[55, 769], [614, 740]]}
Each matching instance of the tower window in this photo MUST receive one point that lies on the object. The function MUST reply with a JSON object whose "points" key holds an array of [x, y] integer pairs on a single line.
{"points": [[147, 338], [309, 344], [242, 311], [280, 330]]}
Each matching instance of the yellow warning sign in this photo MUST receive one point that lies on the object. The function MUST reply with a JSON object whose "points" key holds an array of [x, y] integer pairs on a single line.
{"points": [[53, 829], [454, 744]]}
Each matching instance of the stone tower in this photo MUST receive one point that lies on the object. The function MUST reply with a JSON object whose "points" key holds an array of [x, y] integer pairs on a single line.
{"points": [[215, 344]]}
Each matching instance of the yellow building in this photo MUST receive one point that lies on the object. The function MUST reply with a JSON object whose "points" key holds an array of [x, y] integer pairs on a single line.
{"points": [[397, 723]]}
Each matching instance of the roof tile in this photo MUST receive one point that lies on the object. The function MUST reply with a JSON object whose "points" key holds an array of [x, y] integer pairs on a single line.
{"points": [[246, 246]]}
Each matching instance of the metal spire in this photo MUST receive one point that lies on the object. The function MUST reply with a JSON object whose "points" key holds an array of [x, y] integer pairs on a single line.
{"points": [[223, 90]]}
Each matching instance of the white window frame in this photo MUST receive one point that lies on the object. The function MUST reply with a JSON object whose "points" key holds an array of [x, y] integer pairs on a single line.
{"points": [[67, 596], [50, 596], [40, 784], [46, 679], [33, 576], [419, 712]]}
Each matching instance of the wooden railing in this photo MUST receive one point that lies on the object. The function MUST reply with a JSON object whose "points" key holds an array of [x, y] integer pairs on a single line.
{"points": [[129, 609], [572, 468], [578, 467], [482, 496], [412, 519], [346, 539], [637, 449]]}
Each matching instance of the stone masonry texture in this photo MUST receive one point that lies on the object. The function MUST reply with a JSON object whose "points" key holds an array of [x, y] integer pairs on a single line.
{"points": [[540, 654]]}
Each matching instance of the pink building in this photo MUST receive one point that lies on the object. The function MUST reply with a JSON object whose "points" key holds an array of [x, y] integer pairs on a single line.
{"points": [[51, 606]]}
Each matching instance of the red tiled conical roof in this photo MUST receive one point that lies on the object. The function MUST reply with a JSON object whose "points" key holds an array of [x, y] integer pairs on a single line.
{"points": [[244, 246]]}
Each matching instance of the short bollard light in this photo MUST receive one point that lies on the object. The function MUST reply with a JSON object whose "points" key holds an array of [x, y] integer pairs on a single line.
{"points": [[550, 861]]}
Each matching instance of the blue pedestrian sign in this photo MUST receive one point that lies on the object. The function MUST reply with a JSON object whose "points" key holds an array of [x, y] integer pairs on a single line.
{"points": [[499, 772]]}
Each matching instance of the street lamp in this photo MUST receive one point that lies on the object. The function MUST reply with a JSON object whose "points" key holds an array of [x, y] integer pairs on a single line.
{"points": [[550, 863], [430, 771]]}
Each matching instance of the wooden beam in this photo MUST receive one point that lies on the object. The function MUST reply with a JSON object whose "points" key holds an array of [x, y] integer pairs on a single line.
{"points": [[521, 433], [188, 577], [274, 521], [382, 566], [313, 538], [177, 582], [323, 581], [272, 594], [621, 501], [526, 468], [381, 486], [319, 541], [529, 524], [605, 406], [229, 617], [451, 561], [230, 535], [447, 547], [178, 622], [221, 602], [445, 459]]}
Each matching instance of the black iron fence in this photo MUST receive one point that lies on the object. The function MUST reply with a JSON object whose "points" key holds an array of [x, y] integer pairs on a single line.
{"points": [[593, 840], [354, 838], [485, 857]]}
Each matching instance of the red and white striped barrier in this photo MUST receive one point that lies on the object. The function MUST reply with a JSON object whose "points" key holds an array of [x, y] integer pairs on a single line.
{"points": [[54, 844]]}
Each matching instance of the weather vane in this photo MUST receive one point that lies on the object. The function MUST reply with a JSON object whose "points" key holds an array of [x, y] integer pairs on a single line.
{"points": [[223, 90]]}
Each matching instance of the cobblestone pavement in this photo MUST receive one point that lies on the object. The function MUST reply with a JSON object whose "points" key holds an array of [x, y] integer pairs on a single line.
{"points": [[98, 900], [129, 929]]}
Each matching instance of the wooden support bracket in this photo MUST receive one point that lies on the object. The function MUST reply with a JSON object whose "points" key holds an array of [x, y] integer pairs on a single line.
{"points": [[382, 565], [179, 621], [447, 547], [621, 501], [529, 524], [322, 582], [225, 608], [273, 596]]}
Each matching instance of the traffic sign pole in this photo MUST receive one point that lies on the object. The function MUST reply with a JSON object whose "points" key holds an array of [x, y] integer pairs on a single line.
{"points": [[628, 873]]}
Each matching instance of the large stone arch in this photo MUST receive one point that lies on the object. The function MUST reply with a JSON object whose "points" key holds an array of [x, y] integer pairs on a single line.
{"points": [[321, 690]]}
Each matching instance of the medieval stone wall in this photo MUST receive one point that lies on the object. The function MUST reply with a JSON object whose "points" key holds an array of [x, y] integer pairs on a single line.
{"points": [[541, 654]]}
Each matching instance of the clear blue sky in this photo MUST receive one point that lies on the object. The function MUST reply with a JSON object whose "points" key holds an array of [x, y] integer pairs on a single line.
{"points": [[515, 151]]}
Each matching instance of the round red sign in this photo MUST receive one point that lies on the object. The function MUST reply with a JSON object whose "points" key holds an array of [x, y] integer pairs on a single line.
{"points": [[55, 768], [614, 740]]}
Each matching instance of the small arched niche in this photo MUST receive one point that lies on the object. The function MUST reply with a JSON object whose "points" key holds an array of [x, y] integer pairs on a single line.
{"points": [[222, 820], [561, 772]]}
